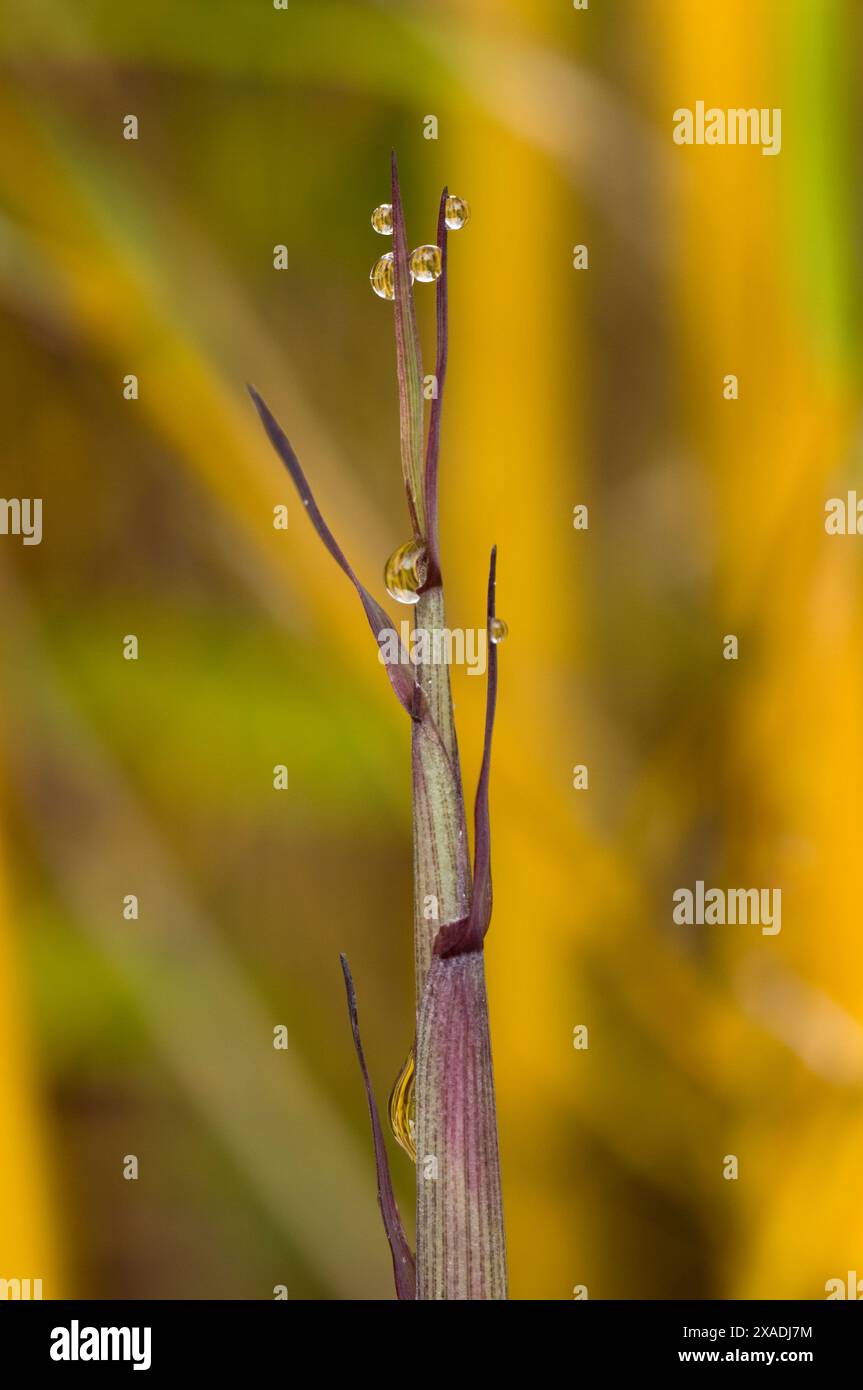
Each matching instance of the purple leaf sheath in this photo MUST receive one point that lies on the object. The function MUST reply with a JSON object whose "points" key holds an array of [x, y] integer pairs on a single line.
{"points": [[461, 1249]]}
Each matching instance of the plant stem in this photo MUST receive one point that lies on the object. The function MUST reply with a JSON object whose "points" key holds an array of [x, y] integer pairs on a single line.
{"points": [[442, 873]]}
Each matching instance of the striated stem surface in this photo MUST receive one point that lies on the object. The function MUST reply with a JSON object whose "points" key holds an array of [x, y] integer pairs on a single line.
{"points": [[441, 858], [461, 1252]]}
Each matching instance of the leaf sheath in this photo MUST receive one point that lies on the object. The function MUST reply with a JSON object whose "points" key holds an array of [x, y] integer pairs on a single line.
{"points": [[461, 1252]]}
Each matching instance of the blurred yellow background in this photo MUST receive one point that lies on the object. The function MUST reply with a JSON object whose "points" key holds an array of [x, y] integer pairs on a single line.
{"points": [[153, 1037]]}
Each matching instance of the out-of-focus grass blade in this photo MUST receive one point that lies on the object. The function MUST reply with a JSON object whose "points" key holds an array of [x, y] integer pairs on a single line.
{"points": [[28, 1239], [312, 1183]]}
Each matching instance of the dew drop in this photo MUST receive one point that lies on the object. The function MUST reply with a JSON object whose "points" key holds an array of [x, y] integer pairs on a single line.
{"points": [[426, 263], [456, 213], [382, 219], [497, 630], [405, 572], [383, 276], [402, 1108]]}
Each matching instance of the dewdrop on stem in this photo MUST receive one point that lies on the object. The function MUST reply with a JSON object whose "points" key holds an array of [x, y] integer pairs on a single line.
{"points": [[402, 1108], [383, 276], [406, 571]]}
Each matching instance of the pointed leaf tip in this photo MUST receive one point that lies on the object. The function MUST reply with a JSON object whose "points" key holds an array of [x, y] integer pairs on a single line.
{"points": [[432, 456], [459, 938], [404, 1267], [482, 894], [408, 367], [398, 669]]}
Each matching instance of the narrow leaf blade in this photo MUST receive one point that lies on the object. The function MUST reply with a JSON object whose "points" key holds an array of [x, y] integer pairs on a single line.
{"points": [[433, 441], [404, 1267], [408, 366], [480, 908], [466, 933], [399, 670]]}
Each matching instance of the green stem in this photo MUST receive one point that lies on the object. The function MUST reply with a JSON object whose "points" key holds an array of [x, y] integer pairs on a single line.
{"points": [[442, 877]]}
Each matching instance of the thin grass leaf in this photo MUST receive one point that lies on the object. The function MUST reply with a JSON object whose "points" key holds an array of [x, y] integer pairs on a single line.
{"points": [[441, 861], [404, 1267], [433, 441], [401, 672], [410, 370], [480, 908], [467, 935]]}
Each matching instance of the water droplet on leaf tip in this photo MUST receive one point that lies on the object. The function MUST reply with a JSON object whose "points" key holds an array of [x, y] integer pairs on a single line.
{"points": [[456, 213]]}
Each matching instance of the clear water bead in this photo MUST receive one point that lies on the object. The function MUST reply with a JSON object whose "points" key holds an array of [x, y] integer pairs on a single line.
{"points": [[406, 571], [382, 219], [426, 263], [383, 276], [402, 1108], [456, 213]]}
